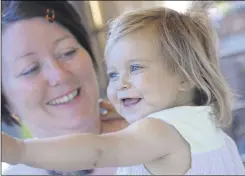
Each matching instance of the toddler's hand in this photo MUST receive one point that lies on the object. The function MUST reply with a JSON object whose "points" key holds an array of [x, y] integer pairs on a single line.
{"points": [[107, 111], [111, 120], [12, 149]]}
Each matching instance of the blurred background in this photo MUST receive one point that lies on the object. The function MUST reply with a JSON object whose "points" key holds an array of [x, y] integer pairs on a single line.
{"points": [[228, 18]]}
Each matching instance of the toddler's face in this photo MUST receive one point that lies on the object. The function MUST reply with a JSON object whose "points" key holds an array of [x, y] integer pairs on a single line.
{"points": [[139, 81]]}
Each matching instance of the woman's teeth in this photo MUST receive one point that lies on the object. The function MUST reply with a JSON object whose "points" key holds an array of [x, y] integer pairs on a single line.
{"points": [[64, 99]]}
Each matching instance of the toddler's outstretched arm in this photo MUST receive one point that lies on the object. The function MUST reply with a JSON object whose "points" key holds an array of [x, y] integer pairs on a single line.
{"points": [[141, 142]]}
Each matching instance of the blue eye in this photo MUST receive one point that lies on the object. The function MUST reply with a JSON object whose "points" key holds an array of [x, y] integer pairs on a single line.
{"points": [[113, 76], [135, 68], [30, 71]]}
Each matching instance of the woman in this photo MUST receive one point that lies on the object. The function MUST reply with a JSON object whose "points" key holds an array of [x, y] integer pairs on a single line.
{"points": [[48, 75]]}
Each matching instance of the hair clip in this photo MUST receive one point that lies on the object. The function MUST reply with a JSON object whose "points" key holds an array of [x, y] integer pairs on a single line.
{"points": [[50, 15]]}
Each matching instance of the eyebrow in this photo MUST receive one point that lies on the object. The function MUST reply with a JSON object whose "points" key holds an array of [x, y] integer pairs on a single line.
{"points": [[27, 54], [110, 68], [129, 61], [61, 39], [54, 44], [138, 60], [24, 55]]}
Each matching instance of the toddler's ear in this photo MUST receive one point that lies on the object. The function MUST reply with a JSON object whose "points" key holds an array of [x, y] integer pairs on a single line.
{"points": [[185, 85]]}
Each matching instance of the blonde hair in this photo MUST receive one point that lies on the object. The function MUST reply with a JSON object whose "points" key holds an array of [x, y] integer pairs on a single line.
{"points": [[188, 42]]}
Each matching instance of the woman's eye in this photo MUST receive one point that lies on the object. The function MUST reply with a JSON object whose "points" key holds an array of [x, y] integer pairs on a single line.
{"points": [[69, 54], [113, 76], [30, 71], [135, 68]]}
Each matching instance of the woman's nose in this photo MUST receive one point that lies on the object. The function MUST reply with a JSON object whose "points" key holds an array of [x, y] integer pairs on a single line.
{"points": [[56, 73]]}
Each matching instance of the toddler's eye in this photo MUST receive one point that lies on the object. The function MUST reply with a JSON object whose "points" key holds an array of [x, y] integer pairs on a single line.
{"points": [[135, 68], [113, 76]]}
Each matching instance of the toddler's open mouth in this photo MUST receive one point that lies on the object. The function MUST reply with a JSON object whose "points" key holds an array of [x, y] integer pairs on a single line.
{"points": [[130, 102]]}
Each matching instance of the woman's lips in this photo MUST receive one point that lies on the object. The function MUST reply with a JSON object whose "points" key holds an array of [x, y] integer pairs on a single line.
{"points": [[69, 98]]}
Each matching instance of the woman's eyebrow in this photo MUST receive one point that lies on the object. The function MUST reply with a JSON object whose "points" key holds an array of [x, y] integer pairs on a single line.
{"points": [[55, 43], [27, 54], [24, 55], [61, 39]]}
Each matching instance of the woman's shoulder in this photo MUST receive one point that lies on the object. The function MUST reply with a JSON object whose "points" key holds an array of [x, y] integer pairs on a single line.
{"points": [[21, 169]]}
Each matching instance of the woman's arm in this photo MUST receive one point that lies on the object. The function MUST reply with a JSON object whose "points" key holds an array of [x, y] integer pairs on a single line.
{"points": [[141, 142]]}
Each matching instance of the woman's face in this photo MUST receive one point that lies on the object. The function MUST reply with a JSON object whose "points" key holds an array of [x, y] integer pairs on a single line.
{"points": [[48, 78]]}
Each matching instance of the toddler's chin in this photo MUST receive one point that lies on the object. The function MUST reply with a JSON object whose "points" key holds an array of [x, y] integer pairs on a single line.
{"points": [[132, 118]]}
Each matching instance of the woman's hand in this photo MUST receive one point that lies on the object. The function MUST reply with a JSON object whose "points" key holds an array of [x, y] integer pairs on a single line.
{"points": [[12, 149], [111, 120]]}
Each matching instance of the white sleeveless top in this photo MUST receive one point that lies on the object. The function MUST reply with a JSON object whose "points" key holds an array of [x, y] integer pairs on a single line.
{"points": [[213, 152]]}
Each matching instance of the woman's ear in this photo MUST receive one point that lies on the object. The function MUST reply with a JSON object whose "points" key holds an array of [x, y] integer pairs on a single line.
{"points": [[10, 119], [11, 111]]}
